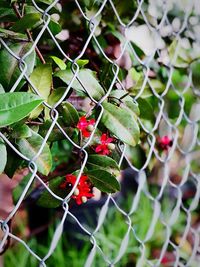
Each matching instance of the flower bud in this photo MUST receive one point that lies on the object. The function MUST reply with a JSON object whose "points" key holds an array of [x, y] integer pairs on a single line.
{"points": [[84, 199], [90, 128], [111, 146], [76, 191]]}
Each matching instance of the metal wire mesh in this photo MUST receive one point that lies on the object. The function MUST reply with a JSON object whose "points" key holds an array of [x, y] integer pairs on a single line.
{"points": [[162, 121]]}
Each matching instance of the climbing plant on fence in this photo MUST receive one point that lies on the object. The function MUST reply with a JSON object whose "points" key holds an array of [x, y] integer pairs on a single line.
{"points": [[90, 90]]}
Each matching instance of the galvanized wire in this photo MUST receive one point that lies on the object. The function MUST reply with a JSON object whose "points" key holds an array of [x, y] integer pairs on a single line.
{"points": [[141, 177]]}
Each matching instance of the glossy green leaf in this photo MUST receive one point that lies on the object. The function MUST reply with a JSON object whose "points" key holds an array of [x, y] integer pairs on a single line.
{"points": [[16, 106], [59, 62], [99, 162], [104, 181], [3, 153], [121, 124], [47, 200], [26, 22], [9, 65], [87, 78], [125, 101], [70, 114], [54, 27], [41, 78], [30, 147]]}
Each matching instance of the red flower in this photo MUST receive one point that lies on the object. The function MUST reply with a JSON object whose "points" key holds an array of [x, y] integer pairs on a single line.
{"points": [[85, 126], [82, 192], [105, 146], [164, 142]]}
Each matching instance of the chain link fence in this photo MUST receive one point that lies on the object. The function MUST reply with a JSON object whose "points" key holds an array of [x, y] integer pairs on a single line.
{"points": [[153, 22]]}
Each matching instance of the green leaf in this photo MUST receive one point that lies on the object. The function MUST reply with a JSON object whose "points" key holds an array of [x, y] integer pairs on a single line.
{"points": [[87, 78], [61, 64], [21, 131], [14, 162], [47, 200], [146, 110], [41, 78], [3, 153], [99, 162], [18, 190], [56, 134], [7, 14], [48, 2], [30, 146], [82, 62], [54, 27], [9, 65], [26, 22], [104, 181], [7, 34], [16, 106], [70, 114], [126, 102], [121, 124], [195, 74], [53, 98]]}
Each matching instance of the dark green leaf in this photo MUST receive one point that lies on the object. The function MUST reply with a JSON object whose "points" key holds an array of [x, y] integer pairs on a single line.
{"points": [[99, 162], [9, 65], [16, 106], [56, 134], [70, 114], [196, 74], [104, 181], [87, 78], [13, 163], [26, 22], [121, 124], [54, 27], [3, 158], [7, 14], [30, 146], [146, 110], [47, 200]]}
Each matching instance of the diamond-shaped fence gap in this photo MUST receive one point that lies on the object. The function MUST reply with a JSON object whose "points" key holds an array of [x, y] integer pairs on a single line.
{"points": [[109, 237], [23, 250]]}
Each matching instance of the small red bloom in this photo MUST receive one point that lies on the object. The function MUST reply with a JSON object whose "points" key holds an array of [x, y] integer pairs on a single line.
{"points": [[164, 142], [84, 124], [83, 190], [105, 146]]}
